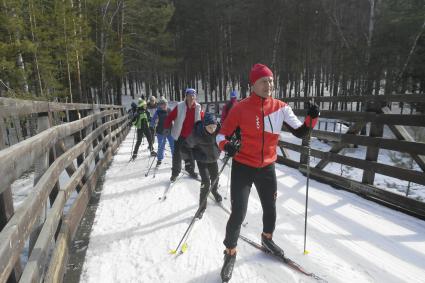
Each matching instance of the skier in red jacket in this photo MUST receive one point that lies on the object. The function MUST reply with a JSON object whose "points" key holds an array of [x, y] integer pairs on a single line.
{"points": [[260, 118]]}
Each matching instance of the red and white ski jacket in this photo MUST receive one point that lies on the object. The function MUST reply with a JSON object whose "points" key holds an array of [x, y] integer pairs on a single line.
{"points": [[184, 118], [260, 121]]}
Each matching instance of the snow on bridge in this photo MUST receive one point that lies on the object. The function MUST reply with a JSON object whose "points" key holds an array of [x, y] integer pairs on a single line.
{"points": [[349, 238]]}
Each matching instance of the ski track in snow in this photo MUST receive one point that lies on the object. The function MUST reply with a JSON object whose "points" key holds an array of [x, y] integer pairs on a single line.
{"points": [[349, 238]]}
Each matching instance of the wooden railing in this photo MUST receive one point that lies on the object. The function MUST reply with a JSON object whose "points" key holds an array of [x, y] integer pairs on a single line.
{"points": [[365, 128], [81, 146]]}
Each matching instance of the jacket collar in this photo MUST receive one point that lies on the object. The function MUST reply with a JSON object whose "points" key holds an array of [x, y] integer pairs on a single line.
{"points": [[258, 99]]}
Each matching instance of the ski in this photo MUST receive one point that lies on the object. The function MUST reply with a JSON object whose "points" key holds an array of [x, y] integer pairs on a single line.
{"points": [[167, 189], [154, 171], [287, 261], [187, 173]]}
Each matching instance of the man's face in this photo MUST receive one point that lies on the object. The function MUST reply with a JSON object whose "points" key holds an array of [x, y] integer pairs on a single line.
{"points": [[264, 87], [190, 99], [163, 106]]}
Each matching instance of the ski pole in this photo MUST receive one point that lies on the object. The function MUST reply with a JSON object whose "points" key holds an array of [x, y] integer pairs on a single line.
{"points": [[163, 144], [132, 145], [199, 209], [150, 166], [307, 185]]}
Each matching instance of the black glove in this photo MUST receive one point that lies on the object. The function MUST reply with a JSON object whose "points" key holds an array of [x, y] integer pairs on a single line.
{"points": [[231, 149], [313, 110]]}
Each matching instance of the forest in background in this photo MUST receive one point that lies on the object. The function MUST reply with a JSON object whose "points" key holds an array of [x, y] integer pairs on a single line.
{"points": [[98, 50]]}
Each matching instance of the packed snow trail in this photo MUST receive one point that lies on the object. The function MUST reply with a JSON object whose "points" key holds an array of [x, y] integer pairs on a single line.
{"points": [[349, 238]]}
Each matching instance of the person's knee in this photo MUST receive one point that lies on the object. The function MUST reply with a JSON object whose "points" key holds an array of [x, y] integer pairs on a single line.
{"points": [[237, 217], [205, 186]]}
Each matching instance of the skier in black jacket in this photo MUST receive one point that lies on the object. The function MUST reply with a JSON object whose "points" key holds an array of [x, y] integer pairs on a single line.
{"points": [[205, 151]]}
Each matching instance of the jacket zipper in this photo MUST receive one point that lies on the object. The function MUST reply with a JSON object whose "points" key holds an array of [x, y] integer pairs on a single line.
{"points": [[262, 146]]}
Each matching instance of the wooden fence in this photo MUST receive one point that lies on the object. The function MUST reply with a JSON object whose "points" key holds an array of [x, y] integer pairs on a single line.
{"points": [[78, 139], [365, 128]]}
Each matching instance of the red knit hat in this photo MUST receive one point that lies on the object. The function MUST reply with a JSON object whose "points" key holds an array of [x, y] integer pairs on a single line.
{"points": [[258, 71]]}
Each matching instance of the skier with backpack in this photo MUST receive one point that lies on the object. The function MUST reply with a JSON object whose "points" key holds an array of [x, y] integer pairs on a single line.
{"points": [[140, 121], [260, 118]]}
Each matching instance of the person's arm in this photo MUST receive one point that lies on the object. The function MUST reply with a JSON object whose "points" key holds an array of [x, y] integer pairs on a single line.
{"points": [[136, 115], [170, 118], [228, 128], [295, 126]]}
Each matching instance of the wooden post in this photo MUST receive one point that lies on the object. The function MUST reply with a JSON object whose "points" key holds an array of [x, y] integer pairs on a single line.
{"points": [[87, 131], [40, 166], [74, 116], [52, 158], [98, 139], [303, 157], [108, 130], [376, 130], [17, 123], [7, 210]]}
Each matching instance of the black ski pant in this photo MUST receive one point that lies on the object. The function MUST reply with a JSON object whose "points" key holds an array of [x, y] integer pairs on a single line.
{"points": [[208, 172], [144, 130], [177, 159], [242, 178]]}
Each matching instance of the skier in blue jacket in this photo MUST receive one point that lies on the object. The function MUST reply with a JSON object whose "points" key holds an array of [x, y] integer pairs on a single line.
{"points": [[158, 120]]}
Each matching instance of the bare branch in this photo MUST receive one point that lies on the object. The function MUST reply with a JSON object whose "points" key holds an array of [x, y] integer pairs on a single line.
{"points": [[412, 50]]}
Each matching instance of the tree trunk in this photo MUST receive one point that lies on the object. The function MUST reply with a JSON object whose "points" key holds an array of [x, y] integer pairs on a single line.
{"points": [[32, 26], [66, 53]]}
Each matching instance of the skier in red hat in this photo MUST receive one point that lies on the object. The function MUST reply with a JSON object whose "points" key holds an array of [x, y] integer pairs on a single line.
{"points": [[259, 118]]}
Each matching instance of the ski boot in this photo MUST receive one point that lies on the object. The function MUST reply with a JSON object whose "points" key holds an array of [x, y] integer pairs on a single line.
{"points": [[173, 178], [193, 174], [271, 247], [227, 269], [202, 202], [200, 214]]}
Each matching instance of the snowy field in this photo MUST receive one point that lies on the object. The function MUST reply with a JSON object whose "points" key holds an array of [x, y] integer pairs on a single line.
{"points": [[349, 238]]}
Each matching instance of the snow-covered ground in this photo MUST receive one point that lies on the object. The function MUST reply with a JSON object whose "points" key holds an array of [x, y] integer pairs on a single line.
{"points": [[349, 238]]}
